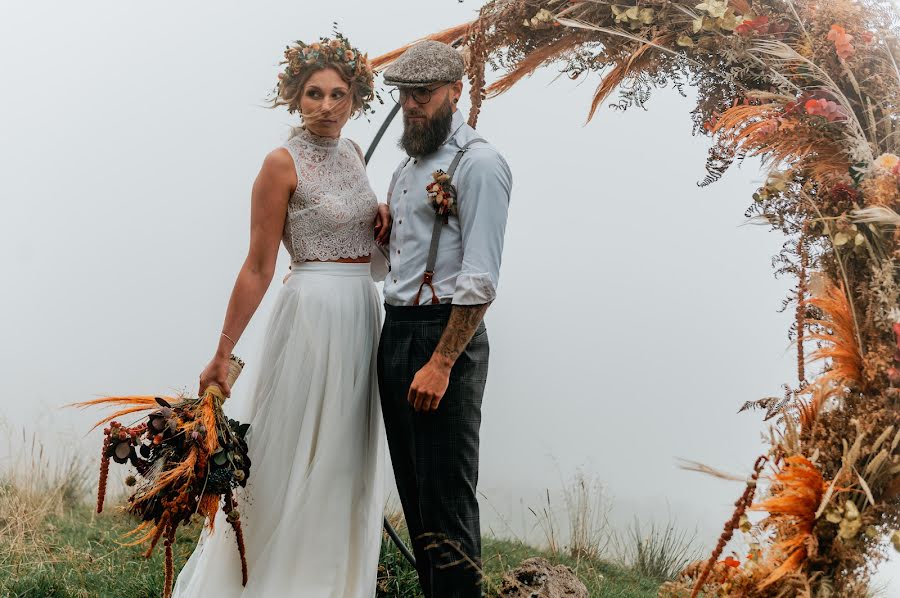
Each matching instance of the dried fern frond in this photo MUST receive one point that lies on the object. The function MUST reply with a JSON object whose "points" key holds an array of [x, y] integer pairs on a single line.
{"points": [[842, 347], [610, 81], [532, 62]]}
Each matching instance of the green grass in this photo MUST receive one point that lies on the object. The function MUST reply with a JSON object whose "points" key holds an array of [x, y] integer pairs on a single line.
{"points": [[77, 554], [397, 579]]}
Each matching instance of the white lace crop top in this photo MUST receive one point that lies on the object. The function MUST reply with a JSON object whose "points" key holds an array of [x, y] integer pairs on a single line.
{"points": [[331, 214]]}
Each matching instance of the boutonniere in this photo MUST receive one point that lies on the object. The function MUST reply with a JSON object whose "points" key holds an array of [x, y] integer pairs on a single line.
{"points": [[442, 194]]}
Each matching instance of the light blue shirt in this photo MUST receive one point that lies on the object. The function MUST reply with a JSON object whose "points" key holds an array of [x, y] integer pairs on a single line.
{"points": [[468, 260]]}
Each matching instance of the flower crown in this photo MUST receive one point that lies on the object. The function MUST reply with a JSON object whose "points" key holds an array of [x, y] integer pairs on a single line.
{"points": [[335, 51]]}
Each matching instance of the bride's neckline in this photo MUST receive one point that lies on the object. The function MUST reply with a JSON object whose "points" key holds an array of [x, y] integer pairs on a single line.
{"points": [[318, 140]]}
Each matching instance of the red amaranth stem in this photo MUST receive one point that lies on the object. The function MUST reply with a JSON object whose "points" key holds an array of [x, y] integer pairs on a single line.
{"points": [[104, 471], [801, 311], [476, 67], [242, 550], [230, 503], [157, 533], [740, 508], [170, 563]]}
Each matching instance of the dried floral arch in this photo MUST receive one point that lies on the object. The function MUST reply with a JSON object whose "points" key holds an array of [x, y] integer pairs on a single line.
{"points": [[812, 87]]}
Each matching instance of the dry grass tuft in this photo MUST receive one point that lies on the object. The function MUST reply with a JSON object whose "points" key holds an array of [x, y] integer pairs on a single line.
{"points": [[32, 491]]}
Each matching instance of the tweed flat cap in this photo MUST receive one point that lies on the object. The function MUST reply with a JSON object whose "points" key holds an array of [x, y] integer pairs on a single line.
{"points": [[424, 63]]}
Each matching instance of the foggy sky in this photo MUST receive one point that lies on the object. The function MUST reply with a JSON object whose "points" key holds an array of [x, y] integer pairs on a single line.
{"points": [[635, 313]]}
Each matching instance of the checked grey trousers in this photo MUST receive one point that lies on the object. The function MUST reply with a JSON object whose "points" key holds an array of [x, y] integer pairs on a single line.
{"points": [[435, 454]]}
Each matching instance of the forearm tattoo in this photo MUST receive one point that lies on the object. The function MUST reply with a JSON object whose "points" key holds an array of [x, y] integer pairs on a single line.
{"points": [[461, 327]]}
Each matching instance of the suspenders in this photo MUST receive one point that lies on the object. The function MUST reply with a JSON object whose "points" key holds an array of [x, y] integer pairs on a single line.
{"points": [[436, 233]]}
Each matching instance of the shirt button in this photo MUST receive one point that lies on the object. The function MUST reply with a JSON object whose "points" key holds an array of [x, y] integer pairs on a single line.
{"points": [[404, 191], [395, 281], [399, 222], [398, 252], [416, 161]]}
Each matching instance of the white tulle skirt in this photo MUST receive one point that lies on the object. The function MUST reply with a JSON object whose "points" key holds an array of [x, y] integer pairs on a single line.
{"points": [[312, 511]]}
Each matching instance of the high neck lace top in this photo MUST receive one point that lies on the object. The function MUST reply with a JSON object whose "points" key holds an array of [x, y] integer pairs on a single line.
{"points": [[331, 214]]}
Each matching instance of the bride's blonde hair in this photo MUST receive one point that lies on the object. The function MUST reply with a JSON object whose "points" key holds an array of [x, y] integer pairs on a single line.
{"points": [[302, 60]]}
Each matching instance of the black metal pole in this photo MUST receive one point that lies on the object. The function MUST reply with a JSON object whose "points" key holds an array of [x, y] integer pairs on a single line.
{"points": [[399, 543], [387, 524], [381, 131]]}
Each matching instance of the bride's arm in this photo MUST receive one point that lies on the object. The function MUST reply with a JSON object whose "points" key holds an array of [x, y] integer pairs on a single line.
{"points": [[271, 191]]}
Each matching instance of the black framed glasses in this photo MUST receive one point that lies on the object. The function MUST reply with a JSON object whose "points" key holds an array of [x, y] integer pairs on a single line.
{"points": [[421, 95]]}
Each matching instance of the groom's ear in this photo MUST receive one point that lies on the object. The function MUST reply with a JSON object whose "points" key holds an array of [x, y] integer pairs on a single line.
{"points": [[456, 91]]}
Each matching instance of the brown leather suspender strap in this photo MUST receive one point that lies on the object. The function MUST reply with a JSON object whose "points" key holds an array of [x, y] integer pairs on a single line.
{"points": [[428, 278]]}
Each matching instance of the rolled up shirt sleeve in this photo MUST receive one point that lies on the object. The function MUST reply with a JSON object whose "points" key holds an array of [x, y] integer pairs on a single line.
{"points": [[484, 183]]}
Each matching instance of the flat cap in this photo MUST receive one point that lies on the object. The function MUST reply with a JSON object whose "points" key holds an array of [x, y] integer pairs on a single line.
{"points": [[424, 63]]}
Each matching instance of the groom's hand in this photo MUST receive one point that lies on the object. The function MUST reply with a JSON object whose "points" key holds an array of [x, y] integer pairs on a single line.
{"points": [[430, 384]]}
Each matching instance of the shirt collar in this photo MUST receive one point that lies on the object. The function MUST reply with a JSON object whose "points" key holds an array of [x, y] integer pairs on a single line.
{"points": [[456, 125]]}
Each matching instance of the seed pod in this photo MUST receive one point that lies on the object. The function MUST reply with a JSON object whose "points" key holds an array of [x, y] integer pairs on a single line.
{"points": [[121, 451], [157, 422]]}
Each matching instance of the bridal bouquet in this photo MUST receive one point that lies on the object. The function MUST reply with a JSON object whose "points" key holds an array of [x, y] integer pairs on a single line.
{"points": [[189, 457]]}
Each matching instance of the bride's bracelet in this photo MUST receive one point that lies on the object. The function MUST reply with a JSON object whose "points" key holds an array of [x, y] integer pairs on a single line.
{"points": [[233, 342]]}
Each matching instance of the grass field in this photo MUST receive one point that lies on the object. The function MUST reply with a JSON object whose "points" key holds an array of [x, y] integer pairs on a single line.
{"points": [[54, 545], [77, 554]]}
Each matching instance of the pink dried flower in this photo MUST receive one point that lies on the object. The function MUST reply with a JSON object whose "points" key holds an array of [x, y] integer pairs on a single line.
{"points": [[841, 41], [894, 376], [822, 107]]}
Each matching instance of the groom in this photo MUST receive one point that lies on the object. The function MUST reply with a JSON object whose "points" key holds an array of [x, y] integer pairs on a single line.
{"points": [[433, 354]]}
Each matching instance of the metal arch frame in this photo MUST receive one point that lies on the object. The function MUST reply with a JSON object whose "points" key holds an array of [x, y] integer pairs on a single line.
{"points": [[404, 550]]}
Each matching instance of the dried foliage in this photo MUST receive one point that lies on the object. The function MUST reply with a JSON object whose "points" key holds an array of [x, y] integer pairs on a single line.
{"points": [[813, 88]]}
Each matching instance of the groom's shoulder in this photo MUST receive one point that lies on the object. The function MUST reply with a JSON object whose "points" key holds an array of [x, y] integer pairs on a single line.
{"points": [[482, 152]]}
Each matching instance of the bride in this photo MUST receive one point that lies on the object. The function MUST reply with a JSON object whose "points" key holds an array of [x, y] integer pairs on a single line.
{"points": [[312, 510]]}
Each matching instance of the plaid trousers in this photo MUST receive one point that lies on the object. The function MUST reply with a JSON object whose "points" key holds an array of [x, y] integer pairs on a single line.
{"points": [[435, 454]]}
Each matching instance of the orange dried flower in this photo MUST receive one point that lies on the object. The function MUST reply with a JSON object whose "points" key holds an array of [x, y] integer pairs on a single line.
{"points": [[792, 505], [841, 41], [826, 108], [759, 25]]}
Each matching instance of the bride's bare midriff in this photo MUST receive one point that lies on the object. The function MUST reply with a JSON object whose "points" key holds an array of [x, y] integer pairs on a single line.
{"points": [[346, 260]]}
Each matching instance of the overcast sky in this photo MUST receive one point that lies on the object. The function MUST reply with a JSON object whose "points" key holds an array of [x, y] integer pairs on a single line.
{"points": [[635, 314]]}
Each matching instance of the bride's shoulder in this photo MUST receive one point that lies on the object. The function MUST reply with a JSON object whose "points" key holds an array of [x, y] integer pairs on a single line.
{"points": [[278, 164], [356, 148]]}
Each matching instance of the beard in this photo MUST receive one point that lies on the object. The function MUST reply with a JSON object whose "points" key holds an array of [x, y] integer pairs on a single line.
{"points": [[422, 139]]}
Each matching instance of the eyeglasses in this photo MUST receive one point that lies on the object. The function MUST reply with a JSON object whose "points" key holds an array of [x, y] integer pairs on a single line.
{"points": [[421, 95]]}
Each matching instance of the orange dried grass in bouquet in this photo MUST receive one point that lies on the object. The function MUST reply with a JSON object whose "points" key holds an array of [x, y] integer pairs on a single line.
{"points": [[190, 458]]}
